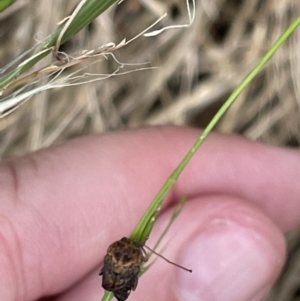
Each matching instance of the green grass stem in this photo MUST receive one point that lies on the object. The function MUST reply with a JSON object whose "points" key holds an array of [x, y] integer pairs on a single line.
{"points": [[144, 227]]}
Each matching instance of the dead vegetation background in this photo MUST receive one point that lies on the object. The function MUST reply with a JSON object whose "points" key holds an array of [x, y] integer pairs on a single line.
{"points": [[198, 68]]}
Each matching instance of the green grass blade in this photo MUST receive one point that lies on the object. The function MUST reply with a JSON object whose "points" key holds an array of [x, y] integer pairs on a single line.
{"points": [[145, 225], [89, 11], [4, 4]]}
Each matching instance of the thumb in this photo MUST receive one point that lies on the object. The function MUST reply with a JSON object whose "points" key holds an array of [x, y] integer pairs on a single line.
{"points": [[235, 252]]}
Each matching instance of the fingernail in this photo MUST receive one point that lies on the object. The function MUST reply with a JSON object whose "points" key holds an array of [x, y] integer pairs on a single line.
{"points": [[229, 262]]}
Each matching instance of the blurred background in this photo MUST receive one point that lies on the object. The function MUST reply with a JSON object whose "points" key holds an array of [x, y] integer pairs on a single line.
{"points": [[198, 68]]}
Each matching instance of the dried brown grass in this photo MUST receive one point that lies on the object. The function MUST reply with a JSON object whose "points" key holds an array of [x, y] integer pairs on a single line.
{"points": [[199, 67]]}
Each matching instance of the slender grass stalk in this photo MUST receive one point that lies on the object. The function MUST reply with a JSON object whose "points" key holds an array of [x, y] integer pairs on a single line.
{"points": [[144, 227], [90, 10], [107, 296]]}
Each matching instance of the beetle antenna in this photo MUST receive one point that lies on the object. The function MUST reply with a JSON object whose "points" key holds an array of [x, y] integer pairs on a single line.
{"points": [[167, 260]]}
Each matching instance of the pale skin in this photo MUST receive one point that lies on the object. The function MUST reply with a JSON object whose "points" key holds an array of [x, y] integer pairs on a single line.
{"points": [[62, 207]]}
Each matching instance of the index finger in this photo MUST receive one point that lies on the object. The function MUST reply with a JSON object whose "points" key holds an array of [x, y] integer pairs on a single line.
{"points": [[61, 207]]}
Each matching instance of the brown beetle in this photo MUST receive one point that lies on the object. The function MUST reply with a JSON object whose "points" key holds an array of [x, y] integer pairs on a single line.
{"points": [[122, 266]]}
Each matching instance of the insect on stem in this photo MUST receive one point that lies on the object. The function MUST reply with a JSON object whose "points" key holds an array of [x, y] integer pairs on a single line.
{"points": [[167, 260], [122, 266]]}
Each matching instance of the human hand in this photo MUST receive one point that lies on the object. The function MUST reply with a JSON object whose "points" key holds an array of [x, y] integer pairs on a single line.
{"points": [[62, 207]]}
